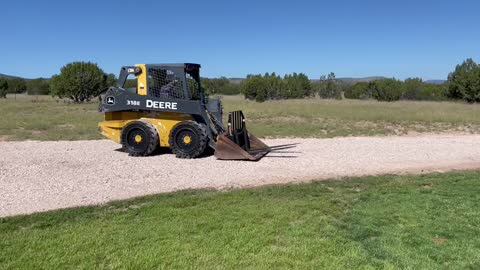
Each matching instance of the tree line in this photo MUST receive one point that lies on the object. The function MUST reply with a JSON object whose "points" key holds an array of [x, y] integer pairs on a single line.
{"points": [[462, 84], [393, 90], [38, 86], [271, 86], [82, 81], [78, 81]]}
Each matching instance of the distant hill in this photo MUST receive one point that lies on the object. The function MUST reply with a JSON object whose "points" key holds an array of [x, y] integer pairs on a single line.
{"points": [[236, 80], [345, 80], [436, 81], [8, 76], [357, 80], [17, 77]]}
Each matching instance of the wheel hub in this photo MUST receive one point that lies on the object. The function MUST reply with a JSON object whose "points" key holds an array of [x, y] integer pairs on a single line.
{"points": [[138, 138], [187, 139]]}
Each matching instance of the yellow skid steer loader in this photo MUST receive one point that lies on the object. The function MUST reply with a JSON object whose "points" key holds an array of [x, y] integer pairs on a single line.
{"points": [[168, 108]]}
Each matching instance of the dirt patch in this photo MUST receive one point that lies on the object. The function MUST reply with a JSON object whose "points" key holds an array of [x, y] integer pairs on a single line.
{"points": [[427, 185], [439, 241], [283, 119], [66, 126], [37, 133]]}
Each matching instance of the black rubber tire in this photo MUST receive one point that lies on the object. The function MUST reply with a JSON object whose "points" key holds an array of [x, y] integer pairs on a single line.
{"points": [[199, 139], [149, 136]]}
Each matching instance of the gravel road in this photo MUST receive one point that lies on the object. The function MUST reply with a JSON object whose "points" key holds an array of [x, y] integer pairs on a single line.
{"points": [[39, 176]]}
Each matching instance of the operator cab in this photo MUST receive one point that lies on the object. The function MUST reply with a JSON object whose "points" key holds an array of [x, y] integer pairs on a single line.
{"points": [[173, 81]]}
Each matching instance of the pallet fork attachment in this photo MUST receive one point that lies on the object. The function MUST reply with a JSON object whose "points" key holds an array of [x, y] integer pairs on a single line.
{"points": [[237, 143]]}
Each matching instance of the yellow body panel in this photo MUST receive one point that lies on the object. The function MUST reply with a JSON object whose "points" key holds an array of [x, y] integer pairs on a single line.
{"points": [[142, 80], [114, 122]]}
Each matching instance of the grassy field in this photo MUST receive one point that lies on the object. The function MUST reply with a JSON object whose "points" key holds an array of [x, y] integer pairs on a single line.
{"points": [[332, 118], [392, 222], [45, 118]]}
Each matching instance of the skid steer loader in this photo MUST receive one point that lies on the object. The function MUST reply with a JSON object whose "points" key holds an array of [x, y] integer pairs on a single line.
{"points": [[168, 108]]}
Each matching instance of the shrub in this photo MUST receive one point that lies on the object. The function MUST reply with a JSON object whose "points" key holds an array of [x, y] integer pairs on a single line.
{"points": [[296, 86], [80, 81], [433, 92], [413, 88], [271, 86], [220, 86], [17, 86], [38, 87], [464, 82], [360, 90], [387, 89], [329, 87], [3, 88]]}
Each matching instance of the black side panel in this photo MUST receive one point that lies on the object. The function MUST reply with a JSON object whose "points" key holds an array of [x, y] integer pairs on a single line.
{"points": [[117, 99]]}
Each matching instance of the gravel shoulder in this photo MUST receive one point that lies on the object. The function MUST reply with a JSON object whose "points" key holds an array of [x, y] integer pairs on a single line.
{"points": [[40, 176]]}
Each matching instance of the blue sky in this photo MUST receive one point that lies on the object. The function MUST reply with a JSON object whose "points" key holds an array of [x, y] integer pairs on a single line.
{"points": [[233, 38]]}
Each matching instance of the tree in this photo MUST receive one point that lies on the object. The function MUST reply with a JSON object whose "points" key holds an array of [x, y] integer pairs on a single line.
{"points": [[360, 90], [38, 86], [17, 86], [80, 81], [387, 89], [271, 86], [251, 87], [130, 83], [288, 86], [221, 85], [296, 86], [3, 88], [413, 88], [274, 86], [305, 85], [329, 87], [111, 80], [433, 92], [257, 87], [464, 82]]}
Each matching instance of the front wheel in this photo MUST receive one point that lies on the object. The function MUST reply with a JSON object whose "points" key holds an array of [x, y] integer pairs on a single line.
{"points": [[188, 139], [139, 138]]}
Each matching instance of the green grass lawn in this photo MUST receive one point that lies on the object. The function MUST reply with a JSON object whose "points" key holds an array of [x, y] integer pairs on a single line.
{"points": [[45, 118], [393, 222]]}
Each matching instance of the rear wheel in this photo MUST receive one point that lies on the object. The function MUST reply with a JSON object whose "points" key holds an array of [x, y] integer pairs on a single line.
{"points": [[188, 139], [139, 138]]}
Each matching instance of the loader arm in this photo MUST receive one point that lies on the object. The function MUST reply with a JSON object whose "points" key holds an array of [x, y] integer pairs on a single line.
{"points": [[124, 72]]}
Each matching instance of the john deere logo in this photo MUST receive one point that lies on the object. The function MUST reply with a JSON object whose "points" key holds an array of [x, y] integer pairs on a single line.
{"points": [[110, 100]]}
